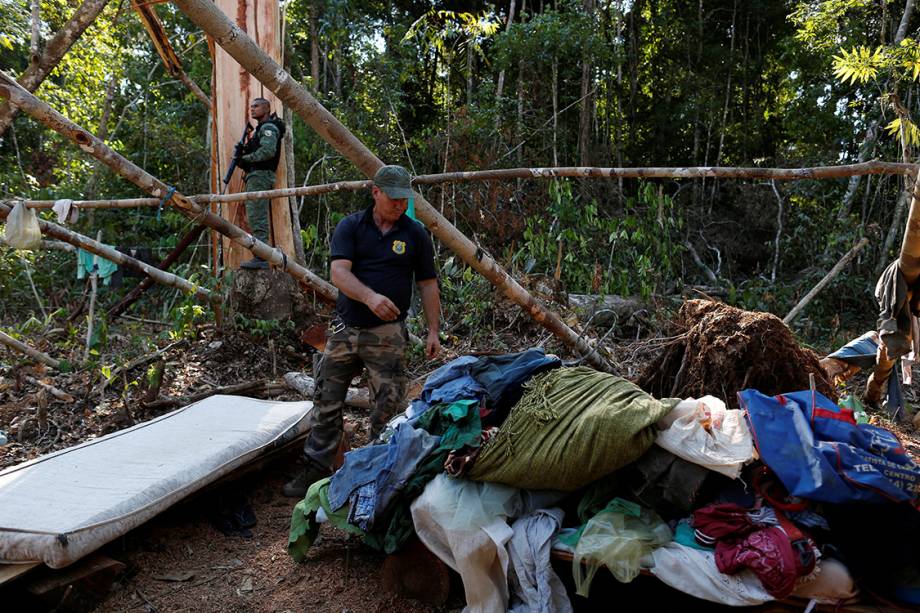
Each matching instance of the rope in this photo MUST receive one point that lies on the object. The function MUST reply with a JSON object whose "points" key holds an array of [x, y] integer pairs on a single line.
{"points": [[169, 194]]}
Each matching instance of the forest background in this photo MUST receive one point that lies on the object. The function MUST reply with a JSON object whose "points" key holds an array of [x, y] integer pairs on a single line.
{"points": [[441, 87]]}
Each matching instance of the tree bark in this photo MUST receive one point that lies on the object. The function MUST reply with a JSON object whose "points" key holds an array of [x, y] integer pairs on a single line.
{"points": [[507, 174], [501, 75], [272, 76], [291, 167], [36, 42], [587, 100], [314, 43], [104, 251], [905, 21], [92, 145], [57, 46], [910, 245]]}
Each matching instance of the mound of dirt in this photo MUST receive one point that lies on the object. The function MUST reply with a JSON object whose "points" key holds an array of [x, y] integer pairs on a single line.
{"points": [[720, 350]]}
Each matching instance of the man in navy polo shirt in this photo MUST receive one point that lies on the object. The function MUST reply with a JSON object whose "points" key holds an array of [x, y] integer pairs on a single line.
{"points": [[376, 254]]}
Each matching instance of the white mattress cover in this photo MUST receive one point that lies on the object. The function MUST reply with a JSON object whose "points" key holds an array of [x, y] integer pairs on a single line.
{"points": [[59, 507]]}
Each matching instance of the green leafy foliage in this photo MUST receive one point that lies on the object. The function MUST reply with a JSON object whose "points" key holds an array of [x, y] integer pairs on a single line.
{"points": [[665, 83], [631, 253]]}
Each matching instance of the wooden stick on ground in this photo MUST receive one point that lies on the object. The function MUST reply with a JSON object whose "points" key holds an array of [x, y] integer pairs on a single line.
{"points": [[306, 385], [137, 362], [35, 354], [823, 282], [57, 393], [259, 388]]}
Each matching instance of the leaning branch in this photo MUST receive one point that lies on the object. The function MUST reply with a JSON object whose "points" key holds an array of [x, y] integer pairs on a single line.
{"points": [[95, 147], [874, 167], [148, 16], [57, 46], [823, 282], [104, 251]]}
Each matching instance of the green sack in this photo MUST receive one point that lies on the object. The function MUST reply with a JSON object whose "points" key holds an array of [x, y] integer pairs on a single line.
{"points": [[571, 427]]}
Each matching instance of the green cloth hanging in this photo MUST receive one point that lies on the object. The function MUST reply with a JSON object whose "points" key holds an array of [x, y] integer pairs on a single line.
{"points": [[106, 268]]}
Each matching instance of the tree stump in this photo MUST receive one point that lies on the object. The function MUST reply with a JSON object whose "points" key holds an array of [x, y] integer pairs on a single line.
{"points": [[269, 295]]}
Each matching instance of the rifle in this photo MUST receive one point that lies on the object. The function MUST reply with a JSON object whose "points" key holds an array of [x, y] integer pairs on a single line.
{"points": [[237, 152]]}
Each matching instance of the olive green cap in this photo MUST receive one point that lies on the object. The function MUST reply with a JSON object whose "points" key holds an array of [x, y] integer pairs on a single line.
{"points": [[394, 181]]}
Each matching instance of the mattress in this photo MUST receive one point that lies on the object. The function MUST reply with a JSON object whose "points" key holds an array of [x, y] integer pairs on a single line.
{"points": [[59, 507]]}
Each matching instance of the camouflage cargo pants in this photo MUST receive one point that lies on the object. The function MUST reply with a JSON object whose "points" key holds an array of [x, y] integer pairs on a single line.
{"points": [[257, 210], [382, 350]]}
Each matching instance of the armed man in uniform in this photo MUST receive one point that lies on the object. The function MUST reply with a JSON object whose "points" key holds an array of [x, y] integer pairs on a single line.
{"points": [[259, 159]]}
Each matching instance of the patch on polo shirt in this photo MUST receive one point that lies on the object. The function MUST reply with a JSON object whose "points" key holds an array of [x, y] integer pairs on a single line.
{"points": [[399, 247]]}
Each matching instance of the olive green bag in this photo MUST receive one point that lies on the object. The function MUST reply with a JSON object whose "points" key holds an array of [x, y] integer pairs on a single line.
{"points": [[571, 427]]}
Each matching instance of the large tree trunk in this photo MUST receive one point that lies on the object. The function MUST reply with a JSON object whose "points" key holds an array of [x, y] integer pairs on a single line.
{"points": [[90, 144], [57, 46], [233, 91], [257, 62]]}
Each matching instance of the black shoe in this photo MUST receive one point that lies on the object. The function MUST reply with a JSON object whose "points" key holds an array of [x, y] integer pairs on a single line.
{"points": [[298, 486], [255, 264]]}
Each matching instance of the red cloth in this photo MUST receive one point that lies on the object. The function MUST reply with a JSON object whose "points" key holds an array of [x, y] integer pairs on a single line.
{"points": [[768, 553], [722, 520]]}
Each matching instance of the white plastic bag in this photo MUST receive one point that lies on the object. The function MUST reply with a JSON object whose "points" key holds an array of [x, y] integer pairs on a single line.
{"points": [[706, 433], [22, 230]]}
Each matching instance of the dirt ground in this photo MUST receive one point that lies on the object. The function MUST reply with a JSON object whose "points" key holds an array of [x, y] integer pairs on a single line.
{"points": [[180, 562], [236, 574]]}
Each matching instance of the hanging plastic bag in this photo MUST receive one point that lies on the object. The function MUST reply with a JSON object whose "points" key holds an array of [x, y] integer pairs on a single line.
{"points": [[22, 230], [618, 537]]}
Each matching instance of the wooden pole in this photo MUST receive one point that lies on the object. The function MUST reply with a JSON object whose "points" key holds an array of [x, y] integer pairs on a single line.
{"points": [[35, 354], [57, 47], [833, 272], [93, 281], [145, 284], [248, 54], [25, 101], [104, 251], [909, 258], [505, 174]]}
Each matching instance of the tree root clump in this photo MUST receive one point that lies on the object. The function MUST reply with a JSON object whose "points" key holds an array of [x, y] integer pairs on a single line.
{"points": [[720, 350]]}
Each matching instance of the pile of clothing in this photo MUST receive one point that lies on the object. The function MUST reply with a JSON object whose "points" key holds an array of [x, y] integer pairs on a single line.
{"points": [[503, 459]]}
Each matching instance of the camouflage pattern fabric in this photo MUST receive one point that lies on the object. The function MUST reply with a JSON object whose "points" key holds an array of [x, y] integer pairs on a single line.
{"points": [[382, 349], [257, 210]]}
